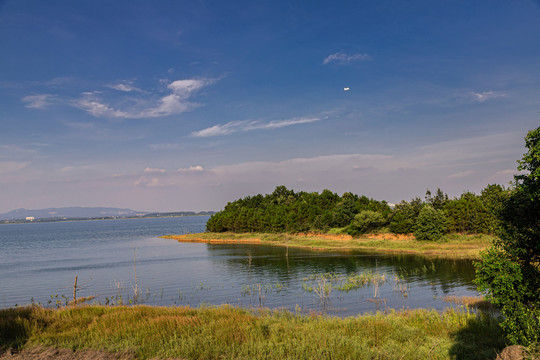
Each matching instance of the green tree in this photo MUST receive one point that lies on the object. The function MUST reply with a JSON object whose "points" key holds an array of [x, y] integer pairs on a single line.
{"points": [[366, 221], [437, 201], [509, 272], [493, 196], [403, 218], [431, 224], [345, 210], [467, 214]]}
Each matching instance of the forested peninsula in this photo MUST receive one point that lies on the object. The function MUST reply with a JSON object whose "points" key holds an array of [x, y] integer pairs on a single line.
{"points": [[287, 211], [438, 226]]}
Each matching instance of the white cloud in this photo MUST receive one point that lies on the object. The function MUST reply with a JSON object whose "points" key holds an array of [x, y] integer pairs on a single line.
{"points": [[152, 170], [225, 129], [163, 178], [124, 86], [196, 168], [78, 168], [149, 182], [250, 125], [91, 103], [487, 95], [343, 58], [40, 101], [174, 103]]}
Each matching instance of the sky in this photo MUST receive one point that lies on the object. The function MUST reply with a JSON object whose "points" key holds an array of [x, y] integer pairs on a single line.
{"points": [[187, 105]]}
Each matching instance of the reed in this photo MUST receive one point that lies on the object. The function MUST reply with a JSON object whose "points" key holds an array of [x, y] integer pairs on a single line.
{"points": [[478, 302]]}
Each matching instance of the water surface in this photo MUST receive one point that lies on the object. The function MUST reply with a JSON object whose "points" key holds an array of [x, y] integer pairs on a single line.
{"points": [[113, 257]]}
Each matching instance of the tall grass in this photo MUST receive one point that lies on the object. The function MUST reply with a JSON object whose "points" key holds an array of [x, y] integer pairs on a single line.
{"points": [[226, 332]]}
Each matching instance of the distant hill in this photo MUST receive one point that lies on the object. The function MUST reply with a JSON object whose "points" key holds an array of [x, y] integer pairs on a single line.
{"points": [[71, 212]]}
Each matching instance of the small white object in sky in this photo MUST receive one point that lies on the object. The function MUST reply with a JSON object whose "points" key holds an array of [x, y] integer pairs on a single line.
{"points": [[346, 89]]}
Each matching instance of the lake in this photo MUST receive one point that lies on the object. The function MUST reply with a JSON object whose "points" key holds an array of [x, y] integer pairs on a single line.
{"points": [[39, 262]]}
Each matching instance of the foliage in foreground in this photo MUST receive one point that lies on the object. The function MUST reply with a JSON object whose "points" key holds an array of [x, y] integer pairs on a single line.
{"points": [[510, 271], [233, 333]]}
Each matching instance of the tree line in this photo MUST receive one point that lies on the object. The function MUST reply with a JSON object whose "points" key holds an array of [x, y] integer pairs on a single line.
{"points": [[285, 210]]}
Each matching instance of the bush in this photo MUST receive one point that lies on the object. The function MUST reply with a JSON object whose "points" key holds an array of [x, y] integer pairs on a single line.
{"points": [[366, 221], [511, 291], [431, 224]]}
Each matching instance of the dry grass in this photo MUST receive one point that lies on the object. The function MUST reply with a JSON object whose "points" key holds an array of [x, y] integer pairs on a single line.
{"points": [[226, 332]]}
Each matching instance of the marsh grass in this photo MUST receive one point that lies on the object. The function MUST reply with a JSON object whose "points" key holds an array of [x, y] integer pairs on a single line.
{"points": [[234, 333], [453, 246], [323, 284], [477, 302]]}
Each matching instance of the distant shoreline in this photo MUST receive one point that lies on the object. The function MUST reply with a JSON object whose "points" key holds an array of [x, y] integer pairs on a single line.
{"points": [[64, 219]]}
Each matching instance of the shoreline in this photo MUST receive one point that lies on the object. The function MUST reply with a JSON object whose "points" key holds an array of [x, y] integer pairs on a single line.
{"points": [[455, 246]]}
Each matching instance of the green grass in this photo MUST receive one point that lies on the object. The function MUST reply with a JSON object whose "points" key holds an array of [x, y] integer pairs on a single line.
{"points": [[226, 332], [454, 246]]}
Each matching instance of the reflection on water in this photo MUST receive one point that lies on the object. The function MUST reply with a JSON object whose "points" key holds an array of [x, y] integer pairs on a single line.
{"points": [[40, 260], [409, 281]]}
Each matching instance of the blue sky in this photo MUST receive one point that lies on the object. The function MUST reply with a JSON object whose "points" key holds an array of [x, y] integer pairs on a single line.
{"points": [[185, 105]]}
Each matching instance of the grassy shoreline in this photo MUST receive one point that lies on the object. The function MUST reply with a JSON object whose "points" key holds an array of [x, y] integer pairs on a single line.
{"points": [[225, 332], [452, 246]]}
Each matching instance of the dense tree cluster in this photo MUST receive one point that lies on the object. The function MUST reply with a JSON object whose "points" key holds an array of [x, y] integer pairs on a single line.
{"points": [[469, 213], [287, 211]]}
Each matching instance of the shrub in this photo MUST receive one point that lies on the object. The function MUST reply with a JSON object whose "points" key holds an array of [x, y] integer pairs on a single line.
{"points": [[513, 292], [431, 224]]}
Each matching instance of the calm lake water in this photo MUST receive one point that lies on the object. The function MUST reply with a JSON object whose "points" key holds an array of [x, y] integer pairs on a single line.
{"points": [[40, 260]]}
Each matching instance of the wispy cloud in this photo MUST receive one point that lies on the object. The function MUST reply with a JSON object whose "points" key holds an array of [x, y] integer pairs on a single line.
{"points": [[250, 125], [11, 166], [40, 101], [124, 86], [461, 174], [393, 176], [440, 163], [153, 170], [487, 95], [167, 146], [343, 58], [156, 177], [196, 168], [176, 102]]}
